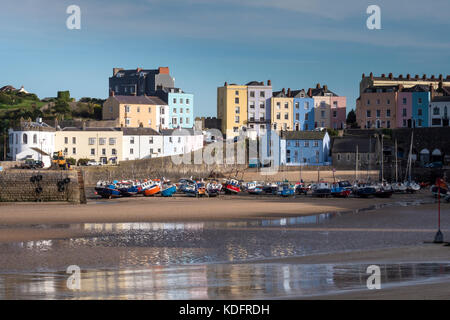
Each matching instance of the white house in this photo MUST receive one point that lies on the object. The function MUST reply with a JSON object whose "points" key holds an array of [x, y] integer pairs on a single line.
{"points": [[141, 143], [32, 140], [439, 111], [180, 141]]}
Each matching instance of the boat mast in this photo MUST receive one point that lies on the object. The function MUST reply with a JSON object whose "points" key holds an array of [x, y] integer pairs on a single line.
{"points": [[356, 168], [382, 159], [396, 173], [408, 168]]}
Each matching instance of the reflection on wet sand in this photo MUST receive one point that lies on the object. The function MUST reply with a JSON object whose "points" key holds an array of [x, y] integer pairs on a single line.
{"points": [[226, 281]]}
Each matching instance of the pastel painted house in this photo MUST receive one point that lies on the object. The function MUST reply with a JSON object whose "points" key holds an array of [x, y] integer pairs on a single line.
{"points": [[412, 107], [305, 148], [303, 111], [259, 111], [181, 107]]}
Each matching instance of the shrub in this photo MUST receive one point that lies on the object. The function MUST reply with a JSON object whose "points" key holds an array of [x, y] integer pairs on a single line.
{"points": [[82, 162]]}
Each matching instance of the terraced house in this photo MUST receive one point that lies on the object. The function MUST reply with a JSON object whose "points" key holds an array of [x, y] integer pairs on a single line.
{"points": [[258, 112], [303, 110], [282, 111], [305, 148], [232, 105]]}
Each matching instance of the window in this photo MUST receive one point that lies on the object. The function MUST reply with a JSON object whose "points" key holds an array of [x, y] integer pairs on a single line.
{"points": [[388, 112], [66, 140], [235, 129], [102, 141], [188, 120], [252, 117], [174, 121], [149, 109], [436, 111], [181, 100], [278, 116], [419, 100], [112, 141], [378, 101], [316, 143], [74, 140], [388, 101], [110, 109], [236, 100], [150, 140], [404, 112], [179, 139], [404, 100], [388, 124], [151, 150], [378, 113], [103, 151], [306, 105], [262, 94], [297, 105], [138, 109], [131, 140], [127, 108], [286, 105], [149, 122], [187, 102], [91, 141], [188, 110], [174, 110], [236, 92], [297, 117], [113, 152], [322, 114], [236, 119], [262, 105], [252, 105], [334, 113], [127, 121], [66, 151], [306, 126], [252, 94], [286, 116], [181, 120], [368, 113], [174, 100], [306, 116], [92, 152], [161, 110], [419, 111], [35, 138], [368, 102], [170, 139], [420, 122], [339, 156], [181, 110], [131, 151], [306, 144], [404, 123], [335, 104], [278, 105], [237, 110], [74, 150]]}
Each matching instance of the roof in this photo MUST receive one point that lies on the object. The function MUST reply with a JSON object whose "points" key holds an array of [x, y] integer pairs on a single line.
{"points": [[315, 92], [179, 132], [152, 100], [375, 89], [299, 93], [417, 88], [140, 131], [303, 135], [88, 129], [255, 83], [441, 99], [348, 145], [7, 88], [279, 94]]}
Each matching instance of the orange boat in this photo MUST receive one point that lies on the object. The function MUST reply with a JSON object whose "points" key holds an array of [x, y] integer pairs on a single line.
{"points": [[152, 190]]}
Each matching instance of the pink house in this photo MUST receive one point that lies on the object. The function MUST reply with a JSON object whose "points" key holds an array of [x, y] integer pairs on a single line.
{"points": [[404, 109], [338, 114]]}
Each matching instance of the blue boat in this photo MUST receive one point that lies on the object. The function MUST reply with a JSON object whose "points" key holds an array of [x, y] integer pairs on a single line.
{"points": [[108, 191], [286, 190], [130, 190], [168, 191]]}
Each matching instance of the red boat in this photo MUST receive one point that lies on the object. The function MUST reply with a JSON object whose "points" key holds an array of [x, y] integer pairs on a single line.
{"points": [[232, 186]]}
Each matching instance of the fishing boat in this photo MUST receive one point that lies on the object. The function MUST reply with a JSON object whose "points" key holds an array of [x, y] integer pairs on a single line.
{"points": [[412, 187], [107, 190], [153, 189], [128, 189], [443, 190], [285, 189], [190, 190], [321, 189], [340, 191], [364, 190], [201, 189], [231, 186], [270, 188], [301, 188], [254, 187], [168, 190], [213, 188]]}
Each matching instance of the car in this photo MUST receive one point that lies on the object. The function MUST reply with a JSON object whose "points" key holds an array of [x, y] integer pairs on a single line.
{"points": [[32, 164], [436, 164], [93, 163]]}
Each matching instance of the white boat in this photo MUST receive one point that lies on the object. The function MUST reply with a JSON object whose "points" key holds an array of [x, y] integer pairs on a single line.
{"points": [[399, 187]]}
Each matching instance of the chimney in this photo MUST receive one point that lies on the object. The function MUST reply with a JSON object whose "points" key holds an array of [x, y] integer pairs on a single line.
{"points": [[400, 76], [225, 84], [433, 77], [441, 77], [325, 87], [408, 76], [289, 92], [390, 76], [310, 92], [163, 70], [138, 70], [448, 77], [283, 90], [111, 93], [383, 75], [363, 75], [416, 77], [424, 77], [115, 70], [432, 93], [371, 76], [318, 86], [269, 83]]}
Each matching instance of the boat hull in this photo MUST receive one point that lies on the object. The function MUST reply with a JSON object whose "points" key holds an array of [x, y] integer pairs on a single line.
{"points": [[152, 191]]}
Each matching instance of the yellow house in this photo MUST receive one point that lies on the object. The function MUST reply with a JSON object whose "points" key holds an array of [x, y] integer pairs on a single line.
{"points": [[232, 108], [282, 111], [100, 144], [137, 111]]}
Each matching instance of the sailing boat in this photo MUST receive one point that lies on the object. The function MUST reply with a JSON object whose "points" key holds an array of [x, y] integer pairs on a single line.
{"points": [[410, 185]]}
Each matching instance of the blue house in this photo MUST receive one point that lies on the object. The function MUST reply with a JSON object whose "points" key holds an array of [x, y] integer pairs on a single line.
{"points": [[303, 111], [420, 103], [181, 107], [305, 148]]}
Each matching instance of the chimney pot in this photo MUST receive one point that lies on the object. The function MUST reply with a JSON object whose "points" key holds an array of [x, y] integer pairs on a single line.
{"points": [[441, 77], [433, 77], [371, 76], [363, 75], [400, 76], [408, 76], [383, 75], [318, 86], [269, 83], [390, 76], [225, 84], [424, 76], [283, 90], [289, 92], [325, 87], [417, 76]]}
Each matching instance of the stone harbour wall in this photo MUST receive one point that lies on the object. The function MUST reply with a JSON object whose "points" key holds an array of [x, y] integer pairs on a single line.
{"points": [[39, 185]]}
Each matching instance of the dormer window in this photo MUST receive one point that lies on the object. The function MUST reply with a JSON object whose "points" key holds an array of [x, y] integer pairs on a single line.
{"points": [[119, 75]]}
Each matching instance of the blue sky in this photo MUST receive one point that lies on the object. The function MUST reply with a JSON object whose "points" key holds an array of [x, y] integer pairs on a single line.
{"points": [[295, 43]]}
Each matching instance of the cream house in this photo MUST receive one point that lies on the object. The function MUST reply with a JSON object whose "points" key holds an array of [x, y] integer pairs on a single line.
{"points": [[137, 111], [100, 144]]}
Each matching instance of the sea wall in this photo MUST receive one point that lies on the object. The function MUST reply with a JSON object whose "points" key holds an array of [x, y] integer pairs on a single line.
{"points": [[36, 186]]}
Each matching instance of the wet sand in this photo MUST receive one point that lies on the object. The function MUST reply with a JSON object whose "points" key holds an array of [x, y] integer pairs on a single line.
{"points": [[180, 208]]}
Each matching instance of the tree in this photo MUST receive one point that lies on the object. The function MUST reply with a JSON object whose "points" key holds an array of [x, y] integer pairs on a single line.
{"points": [[64, 95], [351, 119], [61, 107]]}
